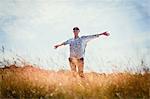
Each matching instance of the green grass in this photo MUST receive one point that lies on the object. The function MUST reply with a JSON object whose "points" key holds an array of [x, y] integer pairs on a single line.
{"points": [[31, 82]]}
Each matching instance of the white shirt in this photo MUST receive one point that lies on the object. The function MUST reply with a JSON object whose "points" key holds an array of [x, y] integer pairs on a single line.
{"points": [[78, 45]]}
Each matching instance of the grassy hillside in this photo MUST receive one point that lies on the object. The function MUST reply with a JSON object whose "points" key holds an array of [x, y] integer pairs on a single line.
{"points": [[31, 82]]}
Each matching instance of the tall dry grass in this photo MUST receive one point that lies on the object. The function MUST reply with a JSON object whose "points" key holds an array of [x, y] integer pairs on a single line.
{"points": [[28, 81], [31, 82]]}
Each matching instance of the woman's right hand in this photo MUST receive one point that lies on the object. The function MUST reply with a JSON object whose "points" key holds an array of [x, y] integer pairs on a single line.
{"points": [[56, 46]]}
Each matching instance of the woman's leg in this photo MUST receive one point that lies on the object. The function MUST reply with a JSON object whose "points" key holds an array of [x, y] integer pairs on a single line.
{"points": [[72, 65], [81, 67]]}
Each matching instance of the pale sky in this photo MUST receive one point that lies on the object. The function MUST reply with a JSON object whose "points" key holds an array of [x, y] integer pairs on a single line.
{"points": [[30, 28]]}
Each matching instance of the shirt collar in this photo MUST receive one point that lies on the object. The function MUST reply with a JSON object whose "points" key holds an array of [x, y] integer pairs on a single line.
{"points": [[76, 37]]}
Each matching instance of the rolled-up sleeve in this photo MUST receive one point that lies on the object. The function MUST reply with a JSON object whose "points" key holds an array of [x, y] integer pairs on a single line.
{"points": [[89, 37], [67, 42]]}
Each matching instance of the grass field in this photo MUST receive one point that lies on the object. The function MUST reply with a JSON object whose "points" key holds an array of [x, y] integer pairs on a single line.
{"points": [[31, 82]]}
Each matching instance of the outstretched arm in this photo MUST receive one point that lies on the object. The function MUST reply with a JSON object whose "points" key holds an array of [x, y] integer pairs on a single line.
{"points": [[58, 45], [90, 37], [105, 33], [64, 43]]}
